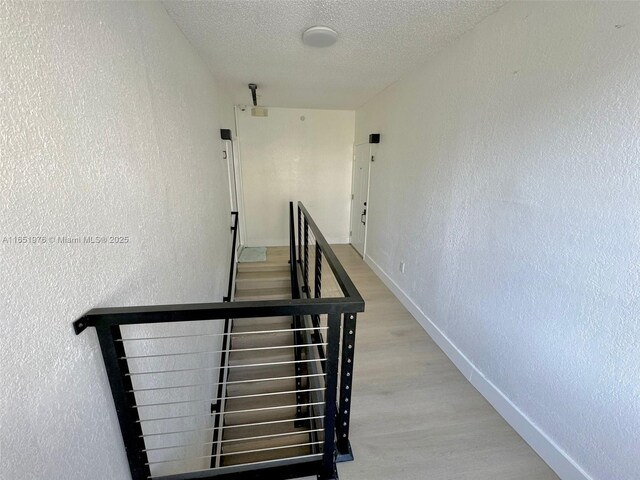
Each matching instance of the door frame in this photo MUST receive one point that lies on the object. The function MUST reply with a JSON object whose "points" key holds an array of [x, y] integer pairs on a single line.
{"points": [[353, 180], [237, 156]]}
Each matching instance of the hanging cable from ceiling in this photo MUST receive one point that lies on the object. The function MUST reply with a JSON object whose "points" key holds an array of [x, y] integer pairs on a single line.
{"points": [[253, 87], [257, 111]]}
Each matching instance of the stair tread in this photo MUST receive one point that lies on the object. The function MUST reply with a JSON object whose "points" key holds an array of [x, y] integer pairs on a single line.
{"points": [[260, 323], [234, 404], [281, 335], [247, 357], [245, 285], [259, 443], [274, 293], [259, 430], [265, 340], [262, 267], [252, 373], [265, 275], [265, 456], [252, 388], [287, 412]]}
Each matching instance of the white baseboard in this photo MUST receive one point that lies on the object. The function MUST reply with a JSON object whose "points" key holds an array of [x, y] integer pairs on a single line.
{"points": [[565, 467]]}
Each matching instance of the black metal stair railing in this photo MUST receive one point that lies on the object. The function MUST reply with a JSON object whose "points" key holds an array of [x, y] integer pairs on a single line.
{"points": [[217, 408], [320, 249], [167, 366]]}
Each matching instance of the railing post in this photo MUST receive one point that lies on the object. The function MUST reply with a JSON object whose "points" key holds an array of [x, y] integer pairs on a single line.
{"points": [[296, 320], [124, 399], [306, 258], [331, 386], [317, 282], [346, 384], [299, 233], [293, 262]]}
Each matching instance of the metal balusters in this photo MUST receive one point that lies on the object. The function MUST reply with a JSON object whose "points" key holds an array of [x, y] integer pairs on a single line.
{"points": [[317, 282], [299, 233], [306, 257], [219, 405], [298, 341]]}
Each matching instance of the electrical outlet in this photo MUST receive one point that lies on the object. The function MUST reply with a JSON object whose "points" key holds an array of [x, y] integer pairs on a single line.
{"points": [[401, 267]]}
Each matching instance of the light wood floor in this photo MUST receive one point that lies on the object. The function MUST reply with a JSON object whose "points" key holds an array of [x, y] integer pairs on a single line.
{"points": [[414, 415]]}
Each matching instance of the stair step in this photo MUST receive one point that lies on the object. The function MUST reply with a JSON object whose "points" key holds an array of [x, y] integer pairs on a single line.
{"points": [[280, 400], [275, 293], [260, 430], [280, 441], [244, 325], [262, 340], [262, 279], [264, 456], [248, 357], [252, 388], [265, 409], [263, 267], [245, 285], [256, 373], [250, 324]]}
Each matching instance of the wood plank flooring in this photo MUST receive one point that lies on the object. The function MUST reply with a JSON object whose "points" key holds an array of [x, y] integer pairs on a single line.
{"points": [[414, 415]]}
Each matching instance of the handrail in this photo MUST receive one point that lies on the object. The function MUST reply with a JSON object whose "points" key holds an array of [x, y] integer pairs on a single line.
{"points": [[218, 406], [351, 302], [232, 267], [187, 312]]}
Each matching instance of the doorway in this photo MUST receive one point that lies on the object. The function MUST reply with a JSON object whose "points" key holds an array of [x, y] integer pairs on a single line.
{"points": [[360, 197]]}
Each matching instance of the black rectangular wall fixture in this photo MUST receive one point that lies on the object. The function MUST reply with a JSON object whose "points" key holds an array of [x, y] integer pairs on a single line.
{"points": [[225, 134], [374, 138]]}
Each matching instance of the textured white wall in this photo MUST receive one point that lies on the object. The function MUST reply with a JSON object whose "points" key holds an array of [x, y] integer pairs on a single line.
{"points": [[284, 158], [109, 127], [508, 181]]}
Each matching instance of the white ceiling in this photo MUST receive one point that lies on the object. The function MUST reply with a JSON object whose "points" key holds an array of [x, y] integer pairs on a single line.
{"points": [[379, 41]]}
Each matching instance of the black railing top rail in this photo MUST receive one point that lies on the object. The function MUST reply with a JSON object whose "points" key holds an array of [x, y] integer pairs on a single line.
{"points": [[215, 311], [234, 229], [351, 302]]}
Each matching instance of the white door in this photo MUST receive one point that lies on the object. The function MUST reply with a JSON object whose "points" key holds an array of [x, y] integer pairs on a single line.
{"points": [[359, 197]]}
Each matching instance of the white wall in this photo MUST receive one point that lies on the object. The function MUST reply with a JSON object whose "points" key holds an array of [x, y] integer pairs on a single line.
{"points": [[109, 127], [286, 159], [508, 180]]}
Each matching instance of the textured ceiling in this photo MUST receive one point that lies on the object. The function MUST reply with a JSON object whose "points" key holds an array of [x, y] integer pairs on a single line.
{"points": [[379, 41]]}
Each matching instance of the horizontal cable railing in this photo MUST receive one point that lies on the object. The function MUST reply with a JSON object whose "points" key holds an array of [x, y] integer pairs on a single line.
{"points": [[182, 411]]}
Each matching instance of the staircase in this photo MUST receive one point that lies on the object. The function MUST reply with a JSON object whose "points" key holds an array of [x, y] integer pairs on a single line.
{"points": [[279, 407], [276, 434]]}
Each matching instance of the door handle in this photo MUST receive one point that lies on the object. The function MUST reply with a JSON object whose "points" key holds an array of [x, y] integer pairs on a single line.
{"points": [[362, 216]]}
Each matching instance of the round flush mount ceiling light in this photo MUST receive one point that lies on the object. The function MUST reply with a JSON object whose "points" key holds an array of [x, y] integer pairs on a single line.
{"points": [[319, 37]]}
